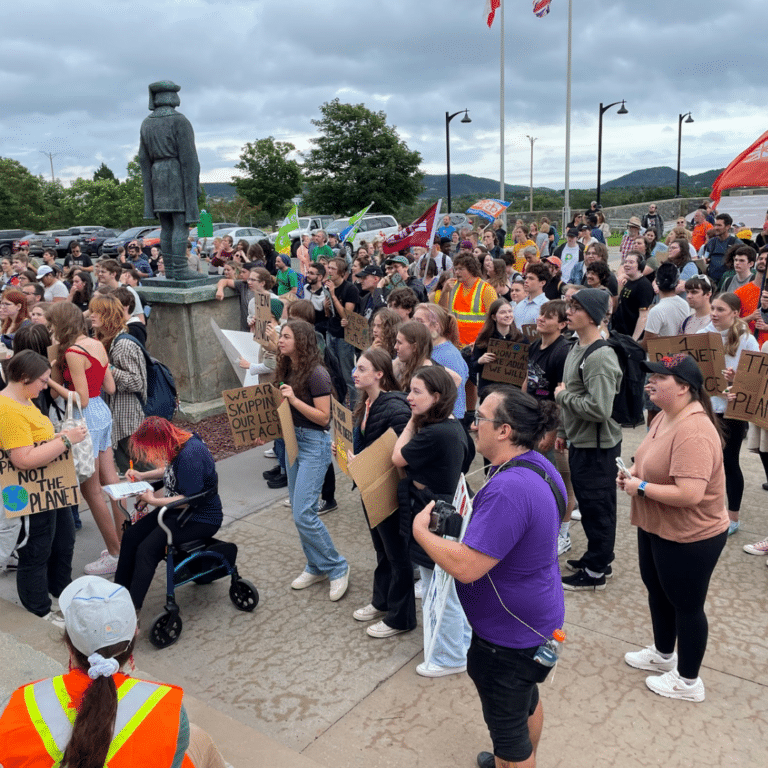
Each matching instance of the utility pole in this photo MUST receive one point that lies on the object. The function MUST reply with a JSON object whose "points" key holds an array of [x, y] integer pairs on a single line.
{"points": [[531, 139]]}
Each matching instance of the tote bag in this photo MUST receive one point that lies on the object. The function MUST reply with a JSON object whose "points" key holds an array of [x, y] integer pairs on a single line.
{"points": [[82, 452]]}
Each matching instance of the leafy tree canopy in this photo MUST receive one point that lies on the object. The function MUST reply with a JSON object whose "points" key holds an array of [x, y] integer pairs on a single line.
{"points": [[22, 204], [104, 173], [271, 178], [357, 159]]}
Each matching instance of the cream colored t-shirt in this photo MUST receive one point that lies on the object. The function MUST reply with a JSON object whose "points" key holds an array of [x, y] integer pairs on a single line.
{"points": [[691, 449]]}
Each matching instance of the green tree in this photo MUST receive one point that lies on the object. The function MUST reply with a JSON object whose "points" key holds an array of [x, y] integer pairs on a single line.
{"points": [[130, 210], [22, 204], [271, 178], [357, 159], [104, 173]]}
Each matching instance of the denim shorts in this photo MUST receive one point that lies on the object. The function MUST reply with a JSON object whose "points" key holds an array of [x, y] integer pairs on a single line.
{"points": [[98, 417], [505, 679]]}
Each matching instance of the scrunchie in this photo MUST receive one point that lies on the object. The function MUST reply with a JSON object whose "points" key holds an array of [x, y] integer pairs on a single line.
{"points": [[101, 667]]}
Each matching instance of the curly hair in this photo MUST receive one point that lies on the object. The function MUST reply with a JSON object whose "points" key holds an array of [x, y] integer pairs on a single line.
{"points": [[110, 310], [306, 354], [390, 325], [67, 323]]}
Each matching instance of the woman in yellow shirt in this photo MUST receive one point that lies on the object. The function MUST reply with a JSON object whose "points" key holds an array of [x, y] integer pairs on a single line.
{"points": [[45, 560]]}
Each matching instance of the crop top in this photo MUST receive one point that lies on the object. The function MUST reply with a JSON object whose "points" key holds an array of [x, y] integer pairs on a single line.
{"points": [[94, 375]]}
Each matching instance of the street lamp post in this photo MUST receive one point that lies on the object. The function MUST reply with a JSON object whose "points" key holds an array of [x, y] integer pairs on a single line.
{"points": [[531, 139], [448, 118], [622, 111], [688, 119]]}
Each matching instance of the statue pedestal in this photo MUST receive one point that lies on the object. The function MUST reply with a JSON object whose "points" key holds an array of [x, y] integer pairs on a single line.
{"points": [[179, 335]]}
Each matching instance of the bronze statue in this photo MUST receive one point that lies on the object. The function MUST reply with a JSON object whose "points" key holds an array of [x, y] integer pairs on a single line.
{"points": [[171, 173]]}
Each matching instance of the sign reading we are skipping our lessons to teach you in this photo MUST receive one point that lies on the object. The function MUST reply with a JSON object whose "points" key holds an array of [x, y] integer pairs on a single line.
{"points": [[43, 489], [252, 414]]}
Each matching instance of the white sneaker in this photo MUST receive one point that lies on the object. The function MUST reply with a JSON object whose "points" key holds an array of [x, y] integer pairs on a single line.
{"points": [[576, 515], [306, 579], [758, 548], [418, 589], [106, 565], [286, 502], [671, 685], [380, 630], [650, 659], [270, 453], [56, 618], [339, 586], [369, 613], [427, 669], [563, 544]]}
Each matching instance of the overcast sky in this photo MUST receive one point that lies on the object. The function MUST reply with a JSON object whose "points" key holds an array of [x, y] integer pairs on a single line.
{"points": [[75, 75]]}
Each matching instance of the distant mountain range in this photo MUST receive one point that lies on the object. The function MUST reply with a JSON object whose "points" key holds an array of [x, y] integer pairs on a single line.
{"points": [[464, 184]]}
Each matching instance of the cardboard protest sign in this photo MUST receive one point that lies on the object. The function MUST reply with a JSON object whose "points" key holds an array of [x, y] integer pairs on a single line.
{"points": [[705, 348], [437, 594], [511, 366], [289, 432], [252, 414], [357, 333], [750, 386], [377, 478], [342, 433], [262, 316], [237, 344], [531, 332], [28, 491]]}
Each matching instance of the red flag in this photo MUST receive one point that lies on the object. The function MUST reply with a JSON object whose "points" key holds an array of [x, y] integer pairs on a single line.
{"points": [[490, 10], [749, 169], [421, 232]]}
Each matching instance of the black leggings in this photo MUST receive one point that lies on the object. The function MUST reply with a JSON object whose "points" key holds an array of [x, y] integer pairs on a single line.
{"points": [[677, 578], [733, 433]]}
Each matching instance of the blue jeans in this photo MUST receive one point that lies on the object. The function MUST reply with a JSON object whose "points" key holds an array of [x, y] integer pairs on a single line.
{"points": [[45, 561], [305, 480], [344, 354], [454, 634]]}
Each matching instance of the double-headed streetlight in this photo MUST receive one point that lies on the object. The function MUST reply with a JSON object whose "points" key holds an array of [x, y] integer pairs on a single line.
{"points": [[681, 118], [621, 111], [448, 118]]}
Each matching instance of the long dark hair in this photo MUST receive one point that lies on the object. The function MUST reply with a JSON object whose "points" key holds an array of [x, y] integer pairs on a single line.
{"points": [[420, 338], [84, 296], [390, 325], [94, 725], [307, 356], [381, 361], [702, 396], [437, 382], [489, 327]]}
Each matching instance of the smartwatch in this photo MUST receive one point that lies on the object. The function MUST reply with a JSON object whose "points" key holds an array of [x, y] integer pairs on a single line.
{"points": [[641, 488]]}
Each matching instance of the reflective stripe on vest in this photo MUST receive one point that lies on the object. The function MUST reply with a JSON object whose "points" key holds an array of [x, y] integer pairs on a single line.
{"points": [[48, 705], [476, 301]]}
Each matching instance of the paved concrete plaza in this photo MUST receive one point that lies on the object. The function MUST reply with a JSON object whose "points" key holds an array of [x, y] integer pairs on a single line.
{"points": [[299, 683]]}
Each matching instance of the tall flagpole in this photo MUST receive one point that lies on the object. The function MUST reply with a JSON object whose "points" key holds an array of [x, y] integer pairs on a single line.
{"points": [[501, 110], [567, 197]]}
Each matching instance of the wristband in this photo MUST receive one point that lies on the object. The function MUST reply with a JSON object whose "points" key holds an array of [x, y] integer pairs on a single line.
{"points": [[641, 488], [67, 442]]}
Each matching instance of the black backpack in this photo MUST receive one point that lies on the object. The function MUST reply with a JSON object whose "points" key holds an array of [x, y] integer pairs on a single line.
{"points": [[162, 399], [628, 402]]}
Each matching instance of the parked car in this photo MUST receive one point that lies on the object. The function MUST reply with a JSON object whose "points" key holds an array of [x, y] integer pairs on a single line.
{"points": [[8, 237], [62, 243], [35, 241], [373, 226], [307, 225], [250, 234], [458, 220], [109, 246], [92, 244]]}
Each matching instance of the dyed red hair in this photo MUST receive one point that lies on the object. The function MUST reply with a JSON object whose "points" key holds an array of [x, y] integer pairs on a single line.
{"points": [[157, 441]]}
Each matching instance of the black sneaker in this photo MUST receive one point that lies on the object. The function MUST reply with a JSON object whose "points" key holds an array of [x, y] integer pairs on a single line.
{"points": [[486, 760], [578, 565], [583, 581], [327, 506], [280, 481], [270, 474]]}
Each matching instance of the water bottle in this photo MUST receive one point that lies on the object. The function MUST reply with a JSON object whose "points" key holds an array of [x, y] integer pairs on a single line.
{"points": [[547, 654]]}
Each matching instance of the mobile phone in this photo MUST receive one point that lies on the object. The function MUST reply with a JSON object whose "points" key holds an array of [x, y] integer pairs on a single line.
{"points": [[623, 468]]}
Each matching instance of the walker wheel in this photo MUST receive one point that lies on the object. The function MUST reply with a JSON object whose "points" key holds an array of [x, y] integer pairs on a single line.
{"points": [[243, 595], [166, 630]]}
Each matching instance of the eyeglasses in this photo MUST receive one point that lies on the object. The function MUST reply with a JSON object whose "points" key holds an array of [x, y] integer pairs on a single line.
{"points": [[479, 418]]}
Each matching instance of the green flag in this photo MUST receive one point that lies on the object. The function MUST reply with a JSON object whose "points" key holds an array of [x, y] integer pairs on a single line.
{"points": [[283, 240], [353, 225]]}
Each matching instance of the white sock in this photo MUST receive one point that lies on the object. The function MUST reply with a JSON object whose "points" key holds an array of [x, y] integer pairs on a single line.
{"points": [[564, 528], [593, 574]]}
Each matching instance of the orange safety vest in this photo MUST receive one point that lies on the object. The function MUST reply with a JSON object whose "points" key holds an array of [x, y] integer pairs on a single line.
{"points": [[467, 308], [37, 723]]}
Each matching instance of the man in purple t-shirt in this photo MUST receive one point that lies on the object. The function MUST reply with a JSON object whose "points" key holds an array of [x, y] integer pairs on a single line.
{"points": [[508, 580]]}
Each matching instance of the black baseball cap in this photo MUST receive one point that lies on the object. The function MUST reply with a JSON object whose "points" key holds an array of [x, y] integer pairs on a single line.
{"points": [[371, 269], [680, 364]]}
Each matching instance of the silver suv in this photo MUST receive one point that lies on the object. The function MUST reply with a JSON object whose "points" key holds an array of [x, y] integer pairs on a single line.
{"points": [[373, 226]]}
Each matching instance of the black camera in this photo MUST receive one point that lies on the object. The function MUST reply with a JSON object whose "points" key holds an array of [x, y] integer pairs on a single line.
{"points": [[444, 520]]}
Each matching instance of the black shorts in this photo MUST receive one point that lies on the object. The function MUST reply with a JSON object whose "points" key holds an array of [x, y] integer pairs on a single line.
{"points": [[506, 679]]}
